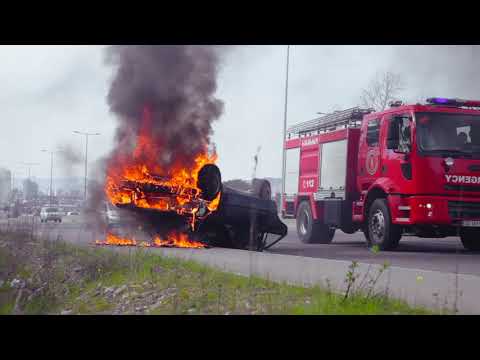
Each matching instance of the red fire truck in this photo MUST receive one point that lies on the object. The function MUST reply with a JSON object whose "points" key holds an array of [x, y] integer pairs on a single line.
{"points": [[408, 170]]}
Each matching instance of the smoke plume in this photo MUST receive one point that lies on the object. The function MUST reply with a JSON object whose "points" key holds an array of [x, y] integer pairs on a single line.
{"points": [[177, 85], [449, 71], [69, 157]]}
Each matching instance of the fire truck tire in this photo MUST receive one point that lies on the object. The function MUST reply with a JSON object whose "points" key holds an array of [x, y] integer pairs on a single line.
{"points": [[310, 231], [381, 231], [470, 239]]}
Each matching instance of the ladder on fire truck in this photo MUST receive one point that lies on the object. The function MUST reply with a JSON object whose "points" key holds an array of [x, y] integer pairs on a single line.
{"points": [[339, 119]]}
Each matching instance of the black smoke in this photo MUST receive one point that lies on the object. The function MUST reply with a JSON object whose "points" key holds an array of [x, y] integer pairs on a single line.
{"points": [[69, 157], [177, 84]]}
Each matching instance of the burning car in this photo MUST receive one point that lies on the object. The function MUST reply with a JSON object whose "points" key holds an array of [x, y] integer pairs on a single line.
{"points": [[203, 211], [161, 169], [183, 201]]}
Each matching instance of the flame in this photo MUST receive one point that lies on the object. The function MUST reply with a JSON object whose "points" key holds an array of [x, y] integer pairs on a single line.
{"points": [[117, 240], [173, 239], [177, 240], [142, 167]]}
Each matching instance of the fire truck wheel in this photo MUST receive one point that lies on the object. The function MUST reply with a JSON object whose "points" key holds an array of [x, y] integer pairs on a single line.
{"points": [[381, 232], [310, 231], [470, 239]]}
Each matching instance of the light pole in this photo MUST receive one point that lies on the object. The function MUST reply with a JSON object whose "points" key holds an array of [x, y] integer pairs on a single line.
{"points": [[51, 171], [29, 165], [284, 159], [86, 157]]}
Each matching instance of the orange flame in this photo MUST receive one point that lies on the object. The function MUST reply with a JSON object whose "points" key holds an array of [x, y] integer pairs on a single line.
{"points": [[117, 240], [141, 166], [177, 240], [173, 239]]}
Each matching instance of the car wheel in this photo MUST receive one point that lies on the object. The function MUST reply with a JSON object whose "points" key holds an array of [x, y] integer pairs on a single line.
{"points": [[310, 231], [381, 231], [470, 239], [261, 188]]}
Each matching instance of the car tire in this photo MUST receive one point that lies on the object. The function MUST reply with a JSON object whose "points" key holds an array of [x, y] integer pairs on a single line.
{"points": [[470, 239], [261, 188], [381, 231], [310, 231]]}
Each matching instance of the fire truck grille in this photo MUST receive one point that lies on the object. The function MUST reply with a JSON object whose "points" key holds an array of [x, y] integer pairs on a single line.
{"points": [[462, 187], [464, 210]]}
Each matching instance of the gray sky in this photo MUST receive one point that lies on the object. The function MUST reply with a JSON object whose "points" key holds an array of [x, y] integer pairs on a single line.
{"points": [[46, 92]]}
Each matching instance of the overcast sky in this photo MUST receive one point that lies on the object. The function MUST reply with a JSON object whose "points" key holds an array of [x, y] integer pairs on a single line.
{"points": [[47, 92]]}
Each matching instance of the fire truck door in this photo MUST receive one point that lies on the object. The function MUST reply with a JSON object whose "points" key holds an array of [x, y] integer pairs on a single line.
{"points": [[398, 145]]}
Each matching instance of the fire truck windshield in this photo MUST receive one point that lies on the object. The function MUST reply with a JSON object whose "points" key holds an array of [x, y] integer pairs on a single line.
{"points": [[446, 134]]}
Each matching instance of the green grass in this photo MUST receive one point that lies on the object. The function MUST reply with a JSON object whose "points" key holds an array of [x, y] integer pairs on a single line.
{"points": [[187, 287]]}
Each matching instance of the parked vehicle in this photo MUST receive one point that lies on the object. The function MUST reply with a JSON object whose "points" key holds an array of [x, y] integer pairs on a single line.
{"points": [[408, 170], [50, 214]]}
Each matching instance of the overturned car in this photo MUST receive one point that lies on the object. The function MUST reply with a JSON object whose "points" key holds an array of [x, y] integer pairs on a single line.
{"points": [[207, 211]]}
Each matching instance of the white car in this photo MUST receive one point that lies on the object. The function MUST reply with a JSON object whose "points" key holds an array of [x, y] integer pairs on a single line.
{"points": [[112, 215], [50, 213]]}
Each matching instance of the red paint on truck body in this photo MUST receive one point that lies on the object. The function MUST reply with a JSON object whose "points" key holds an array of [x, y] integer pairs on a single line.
{"points": [[376, 168]]}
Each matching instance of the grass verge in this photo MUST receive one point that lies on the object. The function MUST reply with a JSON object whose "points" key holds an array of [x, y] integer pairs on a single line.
{"points": [[52, 277]]}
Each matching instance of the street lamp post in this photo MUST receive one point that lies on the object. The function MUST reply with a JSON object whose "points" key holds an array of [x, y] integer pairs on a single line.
{"points": [[282, 198], [29, 165], [51, 173], [86, 157]]}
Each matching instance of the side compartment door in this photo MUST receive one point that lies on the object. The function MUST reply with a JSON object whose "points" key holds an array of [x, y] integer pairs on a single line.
{"points": [[309, 159], [333, 170], [292, 170]]}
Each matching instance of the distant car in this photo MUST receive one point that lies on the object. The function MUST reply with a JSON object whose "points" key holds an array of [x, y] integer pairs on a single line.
{"points": [[50, 214], [111, 214], [73, 213]]}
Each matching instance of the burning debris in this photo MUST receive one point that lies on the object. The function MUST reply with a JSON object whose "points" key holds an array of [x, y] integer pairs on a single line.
{"points": [[172, 240], [139, 181]]}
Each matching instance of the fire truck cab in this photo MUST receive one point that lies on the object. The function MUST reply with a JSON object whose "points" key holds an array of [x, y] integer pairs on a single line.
{"points": [[408, 170]]}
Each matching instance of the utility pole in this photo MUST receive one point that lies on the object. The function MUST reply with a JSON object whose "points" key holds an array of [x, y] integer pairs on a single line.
{"points": [[51, 172], [86, 157], [284, 159], [29, 165]]}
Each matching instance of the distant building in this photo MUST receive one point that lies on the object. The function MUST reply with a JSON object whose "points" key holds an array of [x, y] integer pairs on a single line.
{"points": [[5, 185]]}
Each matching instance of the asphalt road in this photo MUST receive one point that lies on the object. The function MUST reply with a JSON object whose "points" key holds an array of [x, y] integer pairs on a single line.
{"points": [[444, 255]]}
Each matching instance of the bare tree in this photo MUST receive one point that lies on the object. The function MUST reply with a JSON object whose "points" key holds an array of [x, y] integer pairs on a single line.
{"points": [[383, 88]]}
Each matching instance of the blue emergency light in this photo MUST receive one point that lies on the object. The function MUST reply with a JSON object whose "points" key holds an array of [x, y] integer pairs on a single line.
{"points": [[453, 102]]}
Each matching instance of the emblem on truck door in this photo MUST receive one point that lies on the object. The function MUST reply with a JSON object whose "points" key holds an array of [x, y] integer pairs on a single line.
{"points": [[372, 161]]}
